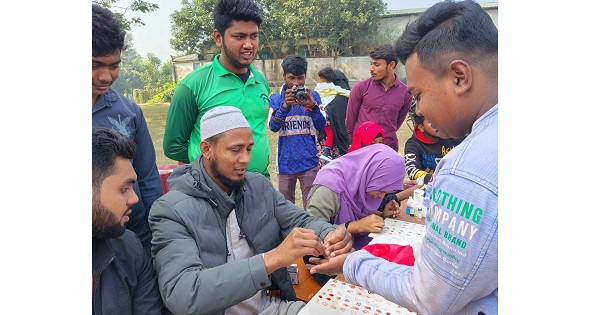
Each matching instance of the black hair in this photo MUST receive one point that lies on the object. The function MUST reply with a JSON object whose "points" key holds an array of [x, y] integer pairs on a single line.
{"points": [[326, 73], [215, 138], [294, 64], [385, 52], [340, 79], [107, 146], [450, 29], [108, 35], [240, 10]]}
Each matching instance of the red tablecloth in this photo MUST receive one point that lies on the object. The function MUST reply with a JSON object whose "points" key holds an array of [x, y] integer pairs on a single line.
{"points": [[165, 171]]}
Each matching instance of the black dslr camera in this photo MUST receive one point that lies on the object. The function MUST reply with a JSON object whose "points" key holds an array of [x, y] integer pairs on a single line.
{"points": [[300, 93]]}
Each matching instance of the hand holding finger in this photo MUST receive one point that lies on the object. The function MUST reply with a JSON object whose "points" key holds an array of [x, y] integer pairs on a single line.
{"points": [[338, 241]]}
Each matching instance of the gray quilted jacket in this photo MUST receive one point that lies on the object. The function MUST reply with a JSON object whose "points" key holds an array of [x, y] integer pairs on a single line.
{"points": [[189, 244]]}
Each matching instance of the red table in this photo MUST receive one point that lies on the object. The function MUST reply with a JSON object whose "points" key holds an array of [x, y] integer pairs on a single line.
{"points": [[165, 171]]}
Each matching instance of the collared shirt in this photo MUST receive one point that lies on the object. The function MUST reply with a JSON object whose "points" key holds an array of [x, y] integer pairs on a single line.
{"points": [[208, 87], [370, 101]]}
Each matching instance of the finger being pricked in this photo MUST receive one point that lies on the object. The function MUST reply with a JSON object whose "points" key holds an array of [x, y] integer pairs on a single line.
{"points": [[313, 261], [331, 267], [338, 242]]}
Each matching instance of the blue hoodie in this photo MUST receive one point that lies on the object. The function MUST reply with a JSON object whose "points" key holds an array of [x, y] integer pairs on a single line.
{"points": [[297, 127]]}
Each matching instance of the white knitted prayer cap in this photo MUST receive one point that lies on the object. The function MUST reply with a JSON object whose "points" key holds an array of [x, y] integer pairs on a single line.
{"points": [[221, 119]]}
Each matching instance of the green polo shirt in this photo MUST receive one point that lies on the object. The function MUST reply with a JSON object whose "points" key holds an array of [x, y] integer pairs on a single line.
{"points": [[210, 86]]}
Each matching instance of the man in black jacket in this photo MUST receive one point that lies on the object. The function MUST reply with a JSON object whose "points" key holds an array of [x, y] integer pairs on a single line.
{"points": [[123, 280]]}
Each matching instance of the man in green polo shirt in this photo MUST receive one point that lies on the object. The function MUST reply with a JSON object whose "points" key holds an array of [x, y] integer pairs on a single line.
{"points": [[230, 80]]}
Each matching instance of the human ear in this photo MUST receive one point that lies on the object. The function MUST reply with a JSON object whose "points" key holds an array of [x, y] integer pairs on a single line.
{"points": [[393, 64], [218, 38], [206, 148], [462, 75]]}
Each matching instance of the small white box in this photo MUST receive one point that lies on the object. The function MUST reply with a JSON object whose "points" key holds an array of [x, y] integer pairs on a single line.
{"points": [[293, 271]]}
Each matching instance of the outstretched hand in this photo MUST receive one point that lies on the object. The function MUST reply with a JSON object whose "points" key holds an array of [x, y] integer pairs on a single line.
{"points": [[298, 243], [328, 266]]}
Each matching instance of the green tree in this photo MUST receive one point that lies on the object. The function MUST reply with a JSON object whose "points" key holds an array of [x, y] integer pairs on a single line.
{"points": [[270, 30], [315, 27], [130, 70], [192, 27], [121, 9], [295, 23], [141, 77], [152, 74], [350, 25]]}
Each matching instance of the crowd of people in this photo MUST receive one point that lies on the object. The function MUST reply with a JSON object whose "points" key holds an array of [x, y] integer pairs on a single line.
{"points": [[219, 241]]}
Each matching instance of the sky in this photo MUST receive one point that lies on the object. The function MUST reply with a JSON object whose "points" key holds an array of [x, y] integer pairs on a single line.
{"points": [[155, 35]]}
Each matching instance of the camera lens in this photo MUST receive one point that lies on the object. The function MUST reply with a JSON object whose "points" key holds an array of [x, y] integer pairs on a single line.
{"points": [[301, 96], [300, 93]]}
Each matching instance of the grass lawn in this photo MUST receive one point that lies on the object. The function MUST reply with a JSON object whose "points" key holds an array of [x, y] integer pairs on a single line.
{"points": [[156, 114]]}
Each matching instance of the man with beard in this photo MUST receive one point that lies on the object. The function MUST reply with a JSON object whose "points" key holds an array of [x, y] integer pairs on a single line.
{"points": [[229, 79], [223, 235], [123, 281], [382, 98]]}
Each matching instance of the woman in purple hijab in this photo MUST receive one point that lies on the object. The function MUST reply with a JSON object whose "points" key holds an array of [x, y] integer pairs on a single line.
{"points": [[349, 190]]}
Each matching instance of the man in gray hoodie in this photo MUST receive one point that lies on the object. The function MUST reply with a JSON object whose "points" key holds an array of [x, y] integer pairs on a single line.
{"points": [[222, 236]]}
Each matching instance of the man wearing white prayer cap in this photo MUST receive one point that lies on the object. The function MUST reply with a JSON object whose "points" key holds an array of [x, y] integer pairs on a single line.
{"points": [[222, 235]]}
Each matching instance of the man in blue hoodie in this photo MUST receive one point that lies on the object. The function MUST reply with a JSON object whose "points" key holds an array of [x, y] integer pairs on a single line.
{"points": [[451, 56], [297, 118]]}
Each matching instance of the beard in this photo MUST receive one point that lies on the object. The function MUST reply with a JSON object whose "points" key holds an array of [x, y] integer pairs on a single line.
{"points": [[385, 75], [229, 183], [232, 59], [105, 224]]}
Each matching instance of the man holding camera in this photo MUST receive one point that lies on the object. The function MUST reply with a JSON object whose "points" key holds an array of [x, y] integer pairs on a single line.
{"points": [[297, 117]]}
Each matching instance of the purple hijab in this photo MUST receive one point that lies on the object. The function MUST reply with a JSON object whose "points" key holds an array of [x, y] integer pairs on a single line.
{"points": [[376, 167]]}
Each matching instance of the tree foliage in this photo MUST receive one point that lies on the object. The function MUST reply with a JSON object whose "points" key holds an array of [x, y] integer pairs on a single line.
{"points": [[129, 70], [120, 10], [317, 28], [192, 26], [141, 76]]}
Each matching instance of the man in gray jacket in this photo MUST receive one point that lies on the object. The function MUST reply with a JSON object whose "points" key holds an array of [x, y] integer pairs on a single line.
{"points": [[222, 236]]}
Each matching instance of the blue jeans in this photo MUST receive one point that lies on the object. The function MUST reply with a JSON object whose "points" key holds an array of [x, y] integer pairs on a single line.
{"points": [[287, 184]]}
